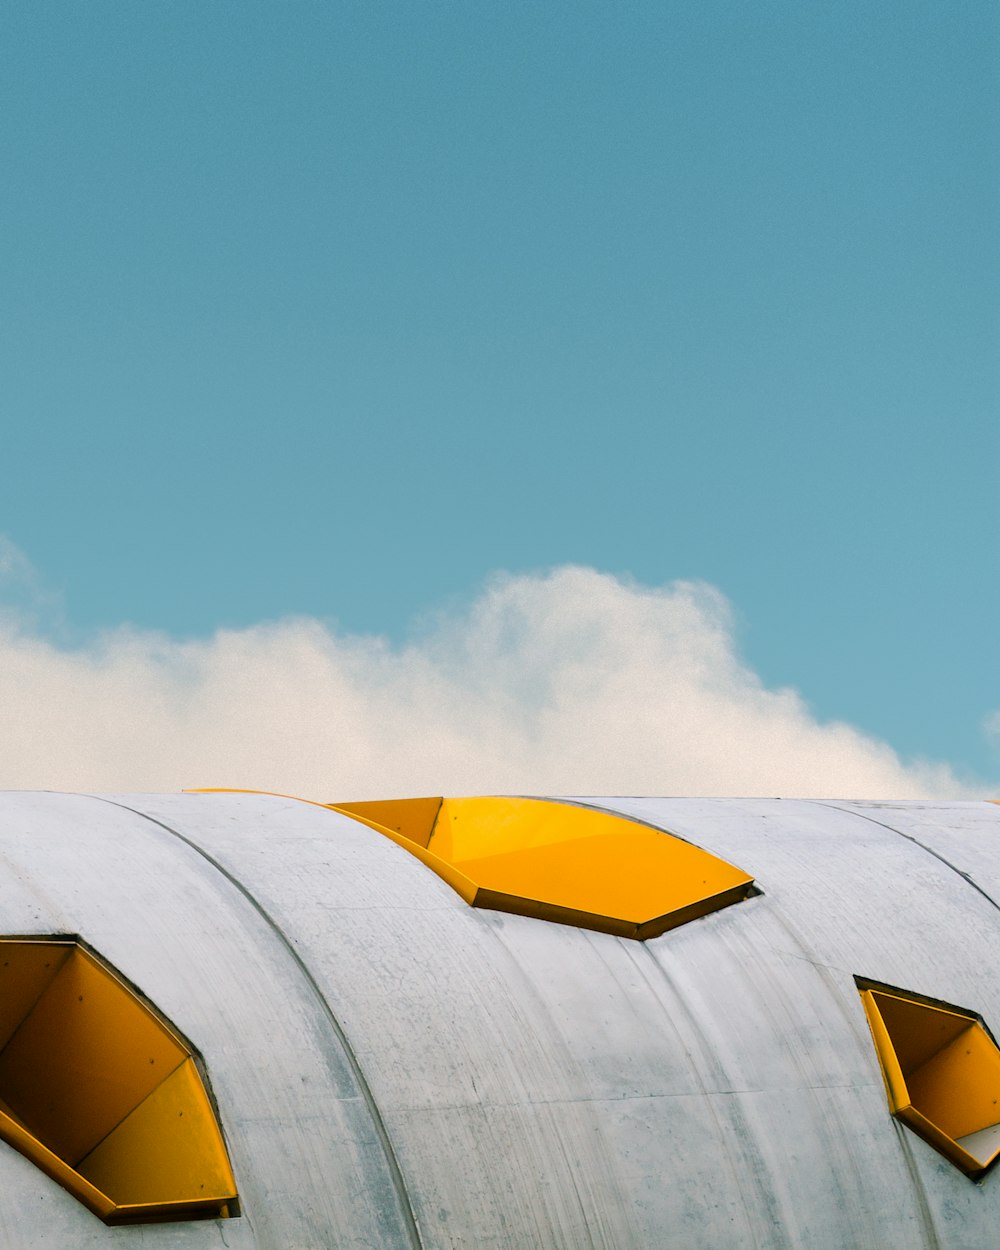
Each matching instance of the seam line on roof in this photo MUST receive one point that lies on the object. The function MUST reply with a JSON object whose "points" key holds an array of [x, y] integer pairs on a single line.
{"points": [[906, 1142], [676, 1006], [381, 1131], [561, 1061], [966, 877]]}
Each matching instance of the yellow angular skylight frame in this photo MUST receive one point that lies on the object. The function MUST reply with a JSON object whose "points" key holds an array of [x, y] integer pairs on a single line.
{"points": [[941, 1067], [559, 861], [102, 1093]]}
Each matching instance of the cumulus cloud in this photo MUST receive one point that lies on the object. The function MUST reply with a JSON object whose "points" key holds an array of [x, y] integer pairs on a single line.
{"points": [[25, 600], [569, 682]]}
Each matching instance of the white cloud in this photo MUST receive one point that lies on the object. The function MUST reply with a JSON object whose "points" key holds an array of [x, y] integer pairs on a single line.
{"points": [[24, 599], [572, 682], [991, 727]]}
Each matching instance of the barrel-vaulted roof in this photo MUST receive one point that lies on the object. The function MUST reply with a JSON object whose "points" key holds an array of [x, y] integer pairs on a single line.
{"points": [[393, 1067]]}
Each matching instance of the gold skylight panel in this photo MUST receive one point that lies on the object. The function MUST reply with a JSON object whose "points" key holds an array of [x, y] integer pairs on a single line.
{"points": [[101, 1092], [559, 861], [941, 1067]]}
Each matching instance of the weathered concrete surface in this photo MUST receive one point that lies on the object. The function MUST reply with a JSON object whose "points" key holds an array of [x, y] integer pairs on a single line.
{"points": [[396, 1069]]}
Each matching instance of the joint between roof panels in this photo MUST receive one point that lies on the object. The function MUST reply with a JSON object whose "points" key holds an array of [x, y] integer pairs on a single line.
{"points": [[969, 880], [393, 1167]]}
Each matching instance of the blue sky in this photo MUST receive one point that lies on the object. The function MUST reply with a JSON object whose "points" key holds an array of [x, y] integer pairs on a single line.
{"points": [[337, 310]]}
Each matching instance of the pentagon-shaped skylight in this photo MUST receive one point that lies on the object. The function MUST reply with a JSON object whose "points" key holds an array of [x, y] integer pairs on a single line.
{"points": [[101, 1092], [941, 1067], [559, 861]]}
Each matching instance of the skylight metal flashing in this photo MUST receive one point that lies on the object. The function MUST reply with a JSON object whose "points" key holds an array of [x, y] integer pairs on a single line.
{"points": [[941, 1067], [559, 861], [101, 1092]]}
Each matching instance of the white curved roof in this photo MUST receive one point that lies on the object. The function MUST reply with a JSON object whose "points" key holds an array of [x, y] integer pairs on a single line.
{"points": [[394, 1068]]}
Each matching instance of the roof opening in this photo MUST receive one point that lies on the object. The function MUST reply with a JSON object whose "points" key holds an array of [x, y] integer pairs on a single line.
{"points": [[559, 861], [101, 1092], [941, 1067]]}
